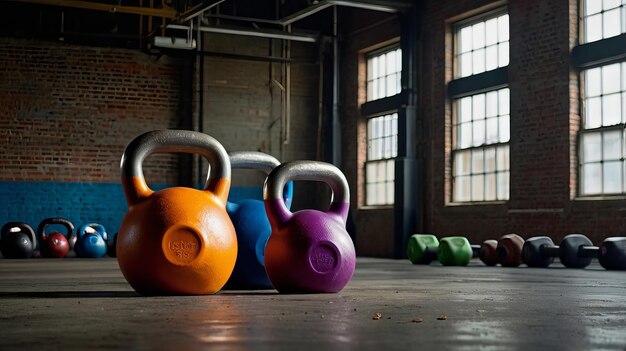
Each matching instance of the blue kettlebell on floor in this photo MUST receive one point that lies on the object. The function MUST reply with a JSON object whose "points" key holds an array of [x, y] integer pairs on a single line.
{"points": [[91, 241], [252, 225]]}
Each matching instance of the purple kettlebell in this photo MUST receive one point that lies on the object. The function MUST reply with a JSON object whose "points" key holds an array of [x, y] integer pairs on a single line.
{"points": [[309, 251]]}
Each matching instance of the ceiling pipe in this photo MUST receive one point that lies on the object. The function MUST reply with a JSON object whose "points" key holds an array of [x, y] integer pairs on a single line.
{"points": [[250, 33]]}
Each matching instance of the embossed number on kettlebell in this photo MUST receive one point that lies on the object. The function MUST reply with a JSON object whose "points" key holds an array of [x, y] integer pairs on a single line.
{"points": [[323, 258]]}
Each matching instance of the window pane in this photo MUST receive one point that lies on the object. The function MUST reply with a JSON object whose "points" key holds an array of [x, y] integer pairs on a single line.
{"points": [[478, 136], [610, 79], [592, 147], [592, 178], [492, 130], [611, 109], [491, 55], [478, 106], [503, 28], [503, 101], [593, 28], [624, 107], [490, 187], [502, 153], [593, 116], [612, 177], [612, 142], [466, 135], [478, 190], [490, 159], [503, 54], [478, 35], [462, 189], [491, 28], [593, 82], [477, 161], [390, 193], [478, 59], [612, 26], [609, 4], [465, 64], [462, 164], [465, 40], [492, 104], [465, 109], [503, 186], [592, 6], [391, 171], [504, 127]]}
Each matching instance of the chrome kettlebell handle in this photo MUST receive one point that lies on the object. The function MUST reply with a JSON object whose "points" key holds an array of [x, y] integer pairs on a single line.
{"points": [[174, 141], [264, 163], [307, 170], [253, 160]]}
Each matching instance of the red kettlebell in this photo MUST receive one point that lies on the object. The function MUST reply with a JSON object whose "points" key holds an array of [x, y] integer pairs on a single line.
{"points": [[55, 245], [309, 251], [177, 240]]}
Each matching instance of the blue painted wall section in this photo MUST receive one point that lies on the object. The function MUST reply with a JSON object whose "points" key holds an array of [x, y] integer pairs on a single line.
{"points": [[81, 203]]}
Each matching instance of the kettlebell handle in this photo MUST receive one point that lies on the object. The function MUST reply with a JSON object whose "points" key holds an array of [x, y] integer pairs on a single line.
{"points": [[62, 221], [305, 170], [6, 229], [174, 141], [263, 162], [99, 228]]}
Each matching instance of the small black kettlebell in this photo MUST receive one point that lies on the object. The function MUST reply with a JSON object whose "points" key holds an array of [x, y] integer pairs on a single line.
{"points": [[17, 240]]}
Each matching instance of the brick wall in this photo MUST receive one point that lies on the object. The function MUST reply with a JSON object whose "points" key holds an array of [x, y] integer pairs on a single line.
{"points": [[69, 111], [67, 114], [242, 106]]}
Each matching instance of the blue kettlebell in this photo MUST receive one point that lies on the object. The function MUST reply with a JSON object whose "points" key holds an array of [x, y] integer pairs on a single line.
{"points": [[252, 225], [91, 241]]}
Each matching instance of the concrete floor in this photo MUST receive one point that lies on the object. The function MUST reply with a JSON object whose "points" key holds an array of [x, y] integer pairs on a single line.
{"points": [[87, 304]]}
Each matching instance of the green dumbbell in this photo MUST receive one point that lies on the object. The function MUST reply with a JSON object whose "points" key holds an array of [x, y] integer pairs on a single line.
{"points": [[422, 248], [451, 251]]}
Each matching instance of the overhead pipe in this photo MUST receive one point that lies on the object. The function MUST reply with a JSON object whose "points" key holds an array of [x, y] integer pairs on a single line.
{"points": [[251, 33]]}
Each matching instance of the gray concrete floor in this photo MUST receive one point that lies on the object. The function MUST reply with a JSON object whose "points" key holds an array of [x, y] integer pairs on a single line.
{"points": [[87, 304]]}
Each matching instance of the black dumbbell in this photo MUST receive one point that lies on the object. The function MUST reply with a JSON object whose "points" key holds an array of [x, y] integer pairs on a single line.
{"points": [[575, 251]]}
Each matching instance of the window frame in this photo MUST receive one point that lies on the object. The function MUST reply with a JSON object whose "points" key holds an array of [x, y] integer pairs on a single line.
{"points": [[482, 17], [459, 87], [380, 160], [380, 107], [583, 130]]}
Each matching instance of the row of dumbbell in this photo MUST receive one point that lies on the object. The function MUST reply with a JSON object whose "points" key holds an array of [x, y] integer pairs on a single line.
{"points": [[575, 251], [18, 240]]}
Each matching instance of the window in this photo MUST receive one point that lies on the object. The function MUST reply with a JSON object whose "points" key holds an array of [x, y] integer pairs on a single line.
{"points": [[482, 44], [481, 111], [603, 19], [480, 147], [382, 147], [383, 74], [384, 68], [602, 145]]}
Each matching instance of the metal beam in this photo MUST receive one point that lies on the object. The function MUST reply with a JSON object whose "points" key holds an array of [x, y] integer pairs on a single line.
{"points": [[166, 11], [251, 33], [197, 10]]}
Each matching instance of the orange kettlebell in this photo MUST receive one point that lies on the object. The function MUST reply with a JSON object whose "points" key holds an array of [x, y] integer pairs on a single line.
{"points": [[177, 240]]}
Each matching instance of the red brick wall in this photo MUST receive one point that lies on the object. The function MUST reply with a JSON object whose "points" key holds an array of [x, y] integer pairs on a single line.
{"points": [[545, 118], [69, 111]]}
